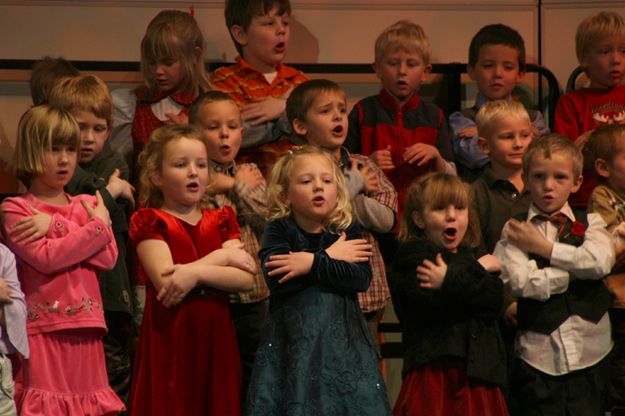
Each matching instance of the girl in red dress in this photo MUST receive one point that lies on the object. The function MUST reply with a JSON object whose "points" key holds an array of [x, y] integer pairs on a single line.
{"points": [[187, 359]]}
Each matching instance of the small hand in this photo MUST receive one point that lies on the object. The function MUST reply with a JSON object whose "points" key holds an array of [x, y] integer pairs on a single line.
{"points": [[179, 118], [221, 183], [526, 237], [509, 316], [99, 210], [581, 141], [383, 158], [241, 259], [291, 265], [490, 263], [431, 275], [5, 292], [351, 251], [263, 110], [421, 153], [371, 181], [31, 228], [119, 187], [468, 133], [250, 175], [181, 281]]}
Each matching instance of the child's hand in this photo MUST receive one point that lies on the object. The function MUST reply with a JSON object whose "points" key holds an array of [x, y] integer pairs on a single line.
{"points": [[526, 237], [431, 274], [421, 153], [509, 316], [351, 251], [581, 141], [31, 228], [5, 292], [182, 280], [241, 259], [221, 183], [383, 158], [179, 118], [372, 183], [119, 187], [468, 133], [619, 233], [293, 264], [263, 110], [490, 263], [99, 211], [249, 175]]}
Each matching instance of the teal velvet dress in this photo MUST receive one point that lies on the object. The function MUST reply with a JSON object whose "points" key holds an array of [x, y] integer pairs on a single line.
{"points": [[316, 356]]}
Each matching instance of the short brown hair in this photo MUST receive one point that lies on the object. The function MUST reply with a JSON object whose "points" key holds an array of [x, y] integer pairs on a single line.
{"points": [[151, 160], [497, 34], [46, 73], [438, 190], [84, 93], [593, 29], [241, 13], [547, 145], [303, 96], [405, 35], [493, 111], [175, 34], [604, 143], [207, 98], [39, 129]]}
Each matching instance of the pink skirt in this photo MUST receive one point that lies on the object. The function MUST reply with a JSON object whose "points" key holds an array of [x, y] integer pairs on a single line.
{"points": [[444, 389], [65, 375]]}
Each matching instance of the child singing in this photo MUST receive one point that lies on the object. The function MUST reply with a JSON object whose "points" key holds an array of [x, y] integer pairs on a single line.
{"points": [[316, 355], [448, 304]]}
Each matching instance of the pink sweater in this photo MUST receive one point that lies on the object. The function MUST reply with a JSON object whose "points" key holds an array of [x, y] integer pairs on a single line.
{"points": [[58, 272]]}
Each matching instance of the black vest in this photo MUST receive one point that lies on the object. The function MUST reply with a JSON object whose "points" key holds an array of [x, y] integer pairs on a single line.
{"points": [[589, 299]]}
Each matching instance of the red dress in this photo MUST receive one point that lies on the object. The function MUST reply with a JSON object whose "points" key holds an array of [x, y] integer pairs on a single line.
{"points": [[187, 360]]}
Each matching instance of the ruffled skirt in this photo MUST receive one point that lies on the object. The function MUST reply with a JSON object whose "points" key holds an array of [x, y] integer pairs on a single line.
{"points": [[65, 375]]}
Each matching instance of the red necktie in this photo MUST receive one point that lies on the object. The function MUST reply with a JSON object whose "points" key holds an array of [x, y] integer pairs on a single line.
{"points": [[558, 219]]}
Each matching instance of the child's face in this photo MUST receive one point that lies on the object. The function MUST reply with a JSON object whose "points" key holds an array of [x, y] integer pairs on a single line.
{"points": [[220, 123], [496, 71], [184, 174], [266, 40], [93, 134], [551, 181], [59, 165], [605, 62], [614, 172], [312, 192], [445, 226], [326, 121], [168, 73], [507, 140], [401, 73]]}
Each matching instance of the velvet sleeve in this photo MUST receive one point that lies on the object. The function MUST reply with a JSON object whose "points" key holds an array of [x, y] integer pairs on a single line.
{"points": [[146, 224]]}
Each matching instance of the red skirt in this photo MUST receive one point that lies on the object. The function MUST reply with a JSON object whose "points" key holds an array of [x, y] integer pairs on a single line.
{"points": [[444, 389]]}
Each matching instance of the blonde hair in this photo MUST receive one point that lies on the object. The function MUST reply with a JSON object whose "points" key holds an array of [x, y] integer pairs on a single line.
{"points": [[41, 128], [174, 34], [84, 93], [404, 35], [151, 161], [546, 146], [279, 179], [437, 190], [595, 28], [493, 111]]}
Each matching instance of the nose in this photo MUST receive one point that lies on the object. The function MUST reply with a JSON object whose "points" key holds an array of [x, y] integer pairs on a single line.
{"points": [[548, 183], [224, 132], [450, 213], [516, 142], [403, 68], [159, 69], [280, 27], [193, 170], [87, 136], [498, 71]]}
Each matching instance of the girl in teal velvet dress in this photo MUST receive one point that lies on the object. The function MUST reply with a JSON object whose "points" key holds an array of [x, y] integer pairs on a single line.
{"points": [[316, 356]]}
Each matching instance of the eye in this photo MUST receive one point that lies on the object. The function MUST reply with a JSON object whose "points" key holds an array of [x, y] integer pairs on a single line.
{"points": [[343, 110], [100, 129], [202, 164], [72, 149], [286, 22], [509, 67]]}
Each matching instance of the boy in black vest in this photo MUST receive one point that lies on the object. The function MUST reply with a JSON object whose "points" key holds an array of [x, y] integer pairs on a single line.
{"points": [[553, 262]]}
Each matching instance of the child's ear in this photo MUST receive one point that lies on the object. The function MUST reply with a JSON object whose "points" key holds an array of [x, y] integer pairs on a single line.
{"points": [[483, 143], [299, 127], [471, 71], [520, 76], [577, 184], [377, 68], [156, 180], [601, 167], [426, 71], [197, 51], [418, 219], [239, 35]]}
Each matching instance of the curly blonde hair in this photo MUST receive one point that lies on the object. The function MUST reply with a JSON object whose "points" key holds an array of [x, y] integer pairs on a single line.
{"points": [[151, 161], [280, 177]]}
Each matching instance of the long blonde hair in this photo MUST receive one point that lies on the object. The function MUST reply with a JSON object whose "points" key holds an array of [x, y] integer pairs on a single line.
{"points": [[151, 161], [175, 34], [341, 216]]}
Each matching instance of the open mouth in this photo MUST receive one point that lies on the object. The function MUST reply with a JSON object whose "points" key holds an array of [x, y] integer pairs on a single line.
{"points": [[193, 186], [402, 83], [338, 130], [280, 47], [451, 232], [318, 200], [225, 147]]}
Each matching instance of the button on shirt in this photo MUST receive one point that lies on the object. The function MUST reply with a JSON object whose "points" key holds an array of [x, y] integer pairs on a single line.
{"points": [[577, 343]]}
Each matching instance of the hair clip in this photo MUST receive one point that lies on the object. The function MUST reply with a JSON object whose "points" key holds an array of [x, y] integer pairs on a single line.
{"points": [[191, 10]]}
